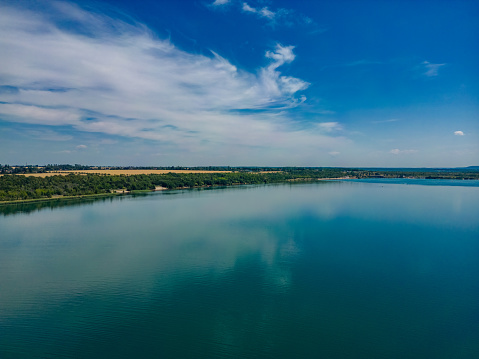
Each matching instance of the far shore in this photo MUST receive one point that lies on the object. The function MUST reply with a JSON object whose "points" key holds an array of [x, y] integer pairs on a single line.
{"points": [[115, 172]]}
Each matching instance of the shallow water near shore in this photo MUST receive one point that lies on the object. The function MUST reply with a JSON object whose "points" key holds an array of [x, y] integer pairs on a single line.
{"points": [[341, 269]]}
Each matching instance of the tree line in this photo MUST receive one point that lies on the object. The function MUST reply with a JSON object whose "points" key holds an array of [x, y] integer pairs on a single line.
{"points": [[20, 187], [14, 187]]}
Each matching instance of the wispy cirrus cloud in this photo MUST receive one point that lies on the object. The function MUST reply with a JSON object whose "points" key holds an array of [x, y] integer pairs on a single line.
{"points": [[330, 126], [279, 16], [248, 8], [431, 70], [273, 81], [107, 76], [261, 12], [220, 2]]}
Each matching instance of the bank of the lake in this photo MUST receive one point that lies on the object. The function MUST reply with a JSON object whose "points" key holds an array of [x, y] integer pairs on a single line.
{"points": [[15, 188], [77, 183]]}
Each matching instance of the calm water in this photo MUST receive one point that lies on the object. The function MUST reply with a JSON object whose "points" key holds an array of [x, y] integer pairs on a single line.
{"points": [[378, 269]]}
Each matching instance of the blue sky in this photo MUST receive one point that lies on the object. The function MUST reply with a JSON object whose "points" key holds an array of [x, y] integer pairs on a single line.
{"points": [[226, 82]]}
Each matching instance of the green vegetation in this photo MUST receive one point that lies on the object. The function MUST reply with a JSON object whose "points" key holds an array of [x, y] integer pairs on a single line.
{"points": [[17, 187], [20, 187]]}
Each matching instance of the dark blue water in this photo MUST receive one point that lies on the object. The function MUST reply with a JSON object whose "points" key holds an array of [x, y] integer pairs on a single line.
{"points": [[380, 269]]}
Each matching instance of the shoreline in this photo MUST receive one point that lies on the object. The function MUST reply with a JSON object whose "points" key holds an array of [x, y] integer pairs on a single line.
{"points": [[119, 192], [62, 198]]}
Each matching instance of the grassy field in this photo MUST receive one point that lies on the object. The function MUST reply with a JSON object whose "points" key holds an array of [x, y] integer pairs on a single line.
{"points": [[118, 172]]}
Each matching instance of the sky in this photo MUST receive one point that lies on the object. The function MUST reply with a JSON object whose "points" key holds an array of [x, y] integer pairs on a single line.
{"points": [[240, 83]]}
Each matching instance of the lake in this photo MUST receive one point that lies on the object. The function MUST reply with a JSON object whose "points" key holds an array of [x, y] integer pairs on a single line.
{"points": [[340, 269]]}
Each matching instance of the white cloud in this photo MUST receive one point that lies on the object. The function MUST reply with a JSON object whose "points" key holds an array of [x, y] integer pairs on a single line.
{"points": [[38, 115], [248, 8], [81, 147], [459, 133], [279, 16], [334, 153], [120, 79], [330, 126], [220, 2], [431, 69], [263, 12], [283, 54], [272, 81], [397, 151]]}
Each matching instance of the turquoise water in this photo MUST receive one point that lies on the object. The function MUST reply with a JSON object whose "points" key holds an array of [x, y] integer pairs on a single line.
{"points": [[346, 269]]}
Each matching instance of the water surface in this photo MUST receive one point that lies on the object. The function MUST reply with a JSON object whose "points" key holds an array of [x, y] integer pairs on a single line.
{"points": [[375, 269]]}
